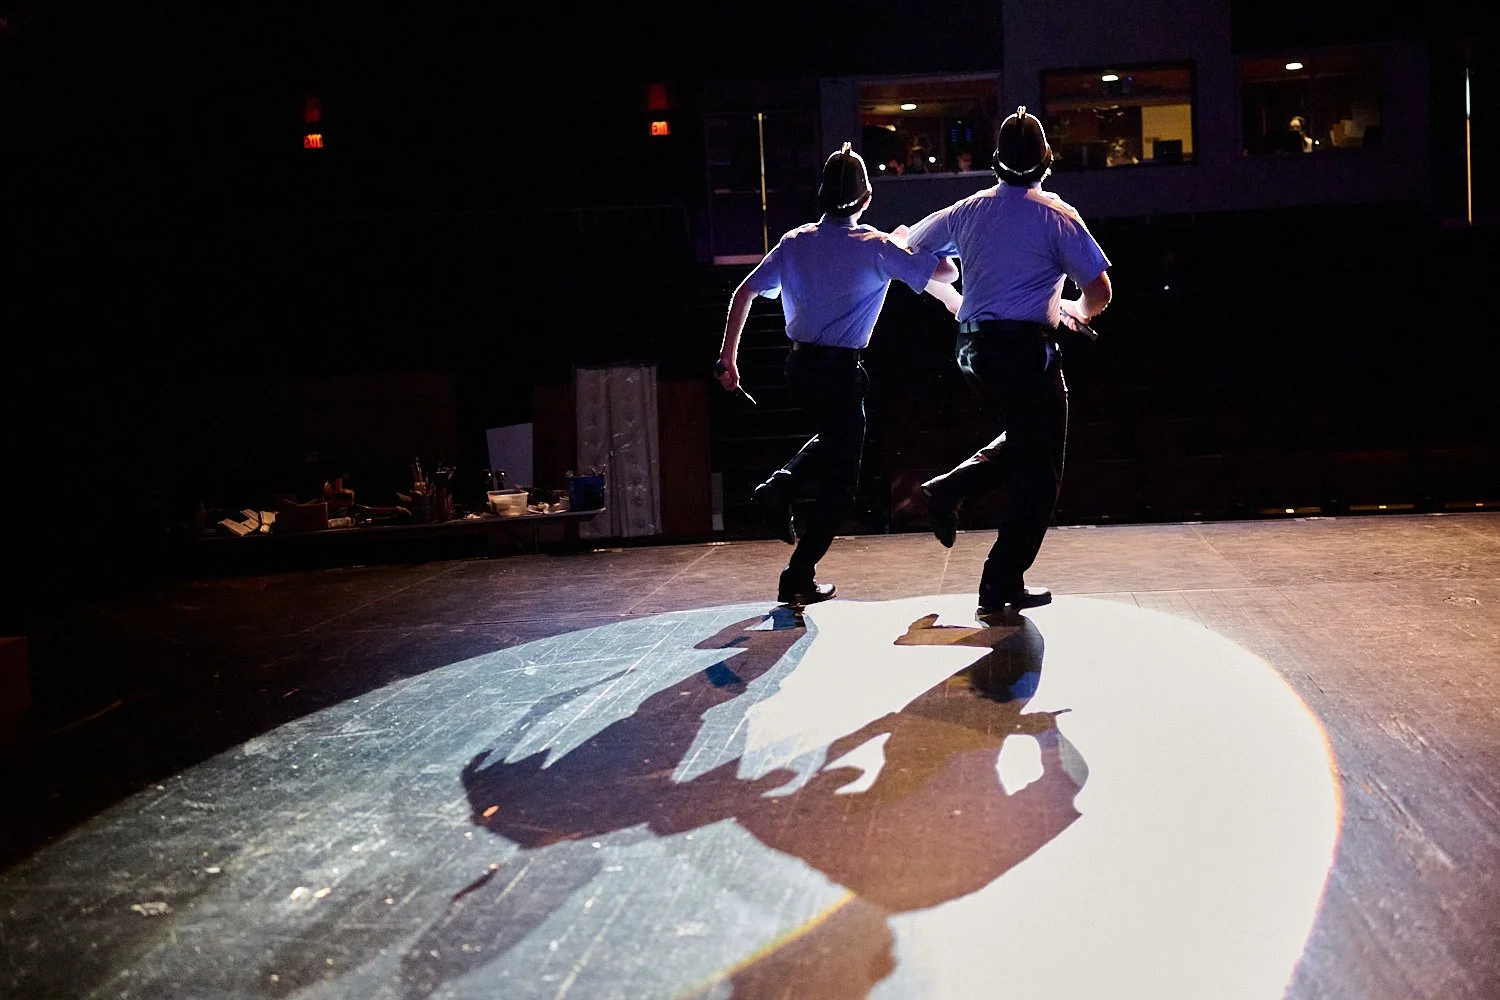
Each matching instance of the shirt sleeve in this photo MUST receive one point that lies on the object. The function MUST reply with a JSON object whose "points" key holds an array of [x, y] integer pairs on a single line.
{"points": [[915, 269], [765, 279], [933, 235], [1082, 258]]}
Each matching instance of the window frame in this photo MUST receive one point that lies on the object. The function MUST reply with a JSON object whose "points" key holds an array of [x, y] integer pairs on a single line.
{"points": [[1347, 59], [989, 103], [1049, 113]]}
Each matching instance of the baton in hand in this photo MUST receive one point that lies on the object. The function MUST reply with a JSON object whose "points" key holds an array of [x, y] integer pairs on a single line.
{"points": [[1079, 326], [719, 369]]}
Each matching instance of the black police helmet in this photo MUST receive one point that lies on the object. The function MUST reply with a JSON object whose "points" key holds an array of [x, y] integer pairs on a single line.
{"points": [[846, 183], [1022, 155]]}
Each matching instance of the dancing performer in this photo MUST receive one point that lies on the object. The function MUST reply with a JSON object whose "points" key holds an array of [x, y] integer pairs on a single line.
{"points": [[832, 276], [1016, 245]]}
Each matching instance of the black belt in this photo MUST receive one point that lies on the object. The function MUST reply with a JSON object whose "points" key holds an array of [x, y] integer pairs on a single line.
{"points": [[1006, 326], [825, 350]]}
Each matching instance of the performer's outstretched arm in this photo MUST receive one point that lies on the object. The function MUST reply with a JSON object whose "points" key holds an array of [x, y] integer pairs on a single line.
{"points": [[734, 325], [941, 287]]}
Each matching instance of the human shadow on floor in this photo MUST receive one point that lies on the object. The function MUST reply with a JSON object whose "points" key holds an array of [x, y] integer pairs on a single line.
{"points": [[917, 818]]}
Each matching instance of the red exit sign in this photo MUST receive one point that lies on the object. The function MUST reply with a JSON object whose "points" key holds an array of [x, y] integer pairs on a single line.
{"points": [[661, 128], [312, 140]]}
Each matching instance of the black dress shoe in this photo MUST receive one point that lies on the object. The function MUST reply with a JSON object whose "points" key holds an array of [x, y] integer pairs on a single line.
{"points": [[803, 596], [942, 517], [776, 507], [992, 617], [1028, 597]]}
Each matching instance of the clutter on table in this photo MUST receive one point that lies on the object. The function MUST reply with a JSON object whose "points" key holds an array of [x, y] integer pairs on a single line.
{"points": [[428, 500]]}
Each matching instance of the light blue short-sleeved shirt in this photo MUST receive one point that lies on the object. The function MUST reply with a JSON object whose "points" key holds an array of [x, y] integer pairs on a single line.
{"points": [[832, 276], [1016, 245]]}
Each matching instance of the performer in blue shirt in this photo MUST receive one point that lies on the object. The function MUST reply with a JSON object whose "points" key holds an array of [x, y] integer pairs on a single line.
{"points": [[832, 277], [1016, 245]]}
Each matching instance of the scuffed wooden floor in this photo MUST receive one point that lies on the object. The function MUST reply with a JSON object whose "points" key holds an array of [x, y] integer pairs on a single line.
{"points": [[1251, 759]]}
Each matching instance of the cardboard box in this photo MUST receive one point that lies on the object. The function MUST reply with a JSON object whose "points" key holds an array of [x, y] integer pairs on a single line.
{"points": [[293, 517]]}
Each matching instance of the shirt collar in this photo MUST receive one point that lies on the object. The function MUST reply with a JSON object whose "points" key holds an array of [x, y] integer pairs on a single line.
{"points": [[844, 222]]}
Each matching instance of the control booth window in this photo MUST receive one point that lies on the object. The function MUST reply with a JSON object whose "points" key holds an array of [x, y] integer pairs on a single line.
{"points": [[1310, 103], [1119, 116], [928, 126]]}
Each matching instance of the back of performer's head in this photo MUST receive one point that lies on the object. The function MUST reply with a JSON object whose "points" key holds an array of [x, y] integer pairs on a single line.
{"points": [[846, 184], [1022, 155]]}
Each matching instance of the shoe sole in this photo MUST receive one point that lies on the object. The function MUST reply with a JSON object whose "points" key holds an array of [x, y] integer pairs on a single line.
{"points": [[1002, 616], [803, 600], [1009, 611]]}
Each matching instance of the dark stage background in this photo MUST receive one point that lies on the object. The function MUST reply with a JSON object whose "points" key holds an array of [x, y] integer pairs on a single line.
{"points": [[198, 311]]}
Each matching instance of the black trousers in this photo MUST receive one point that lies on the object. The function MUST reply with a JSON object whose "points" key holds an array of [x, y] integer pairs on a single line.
{"points": [[830, 385], [1016, 371]]}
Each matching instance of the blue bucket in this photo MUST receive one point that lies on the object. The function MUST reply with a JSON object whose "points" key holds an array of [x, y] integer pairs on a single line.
{"points": [[586, 492]]}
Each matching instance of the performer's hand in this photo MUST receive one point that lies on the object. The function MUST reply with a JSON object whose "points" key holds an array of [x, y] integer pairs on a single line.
{"points": [[728, 374], [1070, 312]]}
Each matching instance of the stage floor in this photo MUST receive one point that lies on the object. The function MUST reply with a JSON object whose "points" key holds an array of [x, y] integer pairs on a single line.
{"points": [[1230, 760]]}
